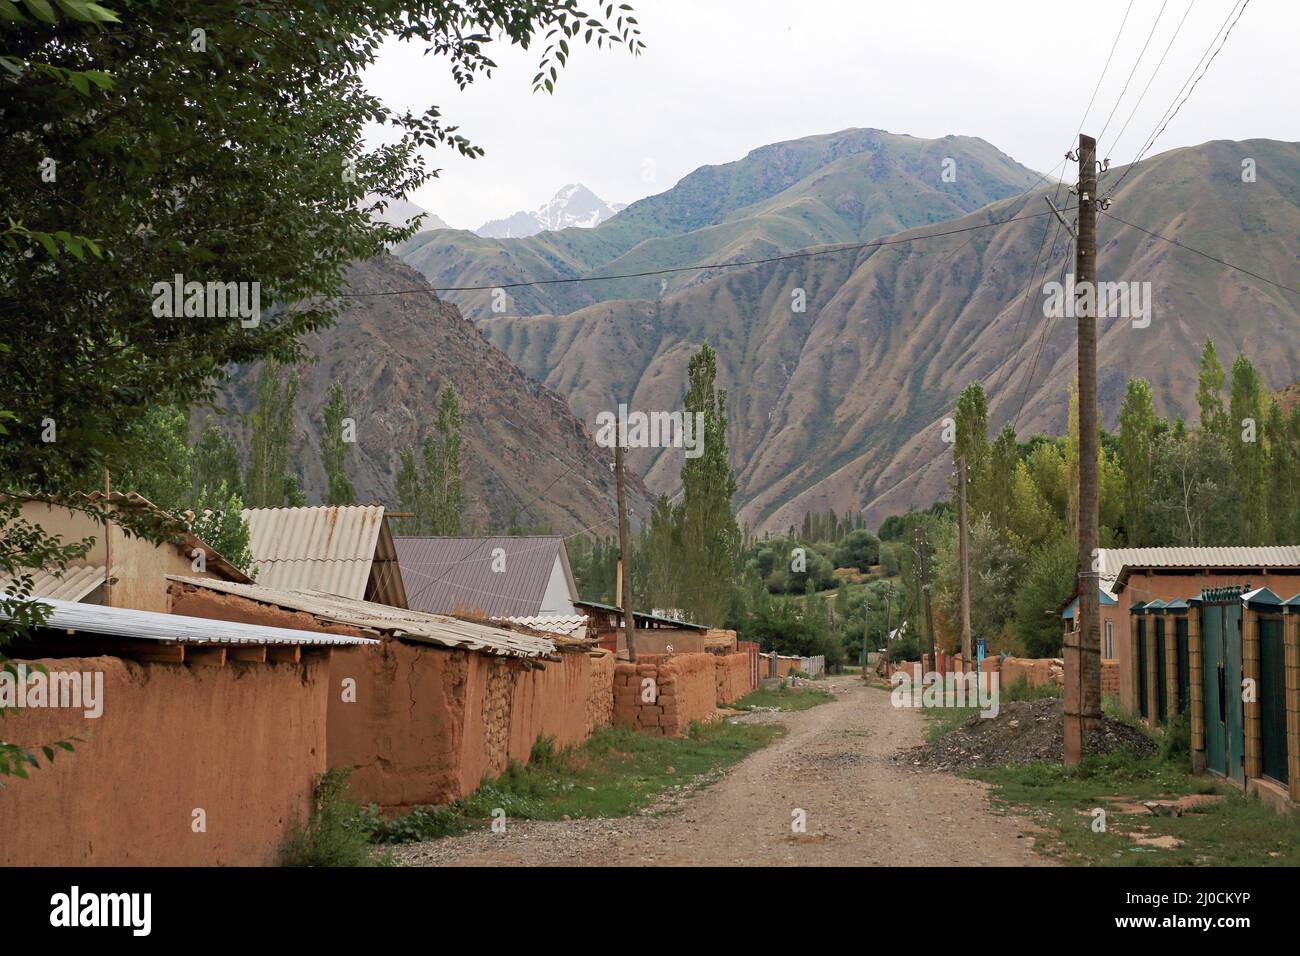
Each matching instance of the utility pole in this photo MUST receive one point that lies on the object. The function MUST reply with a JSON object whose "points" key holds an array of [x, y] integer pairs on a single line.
{"points": [[923, 575], [889, 618], [624, 555], [1083, 661], [866, 625], [963, 549]]}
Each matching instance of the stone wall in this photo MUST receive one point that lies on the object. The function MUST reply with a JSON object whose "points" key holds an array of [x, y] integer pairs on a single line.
{"points": [[600, 696]]}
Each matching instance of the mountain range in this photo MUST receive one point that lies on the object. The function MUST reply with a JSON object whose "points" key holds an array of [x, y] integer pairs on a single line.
{"points": [[574, 206], [526, 460], [839, 405]]}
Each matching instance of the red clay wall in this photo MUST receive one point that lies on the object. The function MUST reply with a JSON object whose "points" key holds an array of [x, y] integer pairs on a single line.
{"points": [[731, 673], [685, 685], [241, 742], [1037, 671], [428, 723], [600, 695]]}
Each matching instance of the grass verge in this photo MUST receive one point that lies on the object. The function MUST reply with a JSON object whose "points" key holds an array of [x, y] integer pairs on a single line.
{"points": [[784, 697], [616, 773]]}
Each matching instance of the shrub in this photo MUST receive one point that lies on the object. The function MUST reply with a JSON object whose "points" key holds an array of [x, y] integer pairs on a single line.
{"points": [[337, 831]]}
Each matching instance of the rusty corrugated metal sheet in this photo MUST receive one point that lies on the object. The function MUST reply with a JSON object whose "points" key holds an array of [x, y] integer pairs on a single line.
{"points": [[328, 548], [398, 622], [445, 574], [73, 585]]}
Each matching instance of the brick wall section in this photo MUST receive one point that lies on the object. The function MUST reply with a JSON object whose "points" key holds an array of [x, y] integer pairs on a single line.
{"points": [[1110, 678], [1291, 658], [1250, 670], [731, 674], [1195, 667], [684, 689]]}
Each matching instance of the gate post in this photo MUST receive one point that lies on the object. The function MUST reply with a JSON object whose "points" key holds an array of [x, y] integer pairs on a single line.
{"points": [[1171, 666], [1291, 663], [1196, 686], [1152, 690], [1250, 648], [1133, 704]]}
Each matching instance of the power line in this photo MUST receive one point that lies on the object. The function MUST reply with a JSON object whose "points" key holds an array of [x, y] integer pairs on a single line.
{"points": [[806, 254], [1212, 258], [1102, 75], [1131, 72], [1042, 343], [1178, 29], [1151, 140]]}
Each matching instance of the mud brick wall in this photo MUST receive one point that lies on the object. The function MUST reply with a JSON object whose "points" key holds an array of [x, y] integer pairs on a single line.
{"points": [[685, 688], [1036, 671], [731, 673], [240, 742]]}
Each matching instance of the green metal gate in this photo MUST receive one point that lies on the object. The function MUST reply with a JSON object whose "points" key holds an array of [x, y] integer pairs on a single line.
{"points": [[1272, 698], [1225, 737], [1142, 666], [1184, 665], [1162, 685]]}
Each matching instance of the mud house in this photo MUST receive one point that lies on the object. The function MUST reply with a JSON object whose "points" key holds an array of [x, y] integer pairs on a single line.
{"points": [[507, 577], [440, 703], [172, 717], [338, 549]]}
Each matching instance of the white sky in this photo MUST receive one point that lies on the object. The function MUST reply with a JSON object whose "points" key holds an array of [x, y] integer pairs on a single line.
{"points": [[722, 77]]}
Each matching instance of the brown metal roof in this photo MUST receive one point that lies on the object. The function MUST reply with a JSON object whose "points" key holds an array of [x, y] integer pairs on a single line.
{"points": [[336, 549], [445, 574], [400, 623]]}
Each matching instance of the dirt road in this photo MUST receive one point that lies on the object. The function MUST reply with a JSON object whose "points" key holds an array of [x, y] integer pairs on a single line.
{"points": [[860, 808]]}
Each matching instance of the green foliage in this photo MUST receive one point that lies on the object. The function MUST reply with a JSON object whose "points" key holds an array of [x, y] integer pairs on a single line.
{"points": [[334, 441], [432, 493], [1137, 428], [859, 549], [163, 471], [215, 461], [337, 832], [710, 537], [1048, 583], [268, 482], [219, 522]]}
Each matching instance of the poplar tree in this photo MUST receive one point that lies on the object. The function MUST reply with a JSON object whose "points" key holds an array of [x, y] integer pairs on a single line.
{"points": [[972, 440], [269, 483], [334, 448], [1137, 422], [710, 536], [1247, 450], [1209, 390]]}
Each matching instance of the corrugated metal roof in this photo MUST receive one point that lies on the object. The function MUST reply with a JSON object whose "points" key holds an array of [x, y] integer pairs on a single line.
{"points": [[551, 623], [72, 585], [152, 626], [328, 548], [1118, 563], [445, 574], [640, 615], [405, 624]]}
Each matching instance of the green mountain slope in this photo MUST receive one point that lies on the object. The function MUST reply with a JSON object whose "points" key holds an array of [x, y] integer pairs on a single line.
{"points": [[840, 406], [840, 187]]}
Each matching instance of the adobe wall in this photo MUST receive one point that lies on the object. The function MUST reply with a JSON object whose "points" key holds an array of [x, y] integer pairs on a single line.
{"points": [[656, 641], [600, 694], [731, 677], [1036, 671], [428, 724], [241, 742], [685, 688]]}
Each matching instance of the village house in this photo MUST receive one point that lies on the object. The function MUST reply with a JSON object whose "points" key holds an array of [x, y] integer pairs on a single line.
{"points": [[170, 716]]}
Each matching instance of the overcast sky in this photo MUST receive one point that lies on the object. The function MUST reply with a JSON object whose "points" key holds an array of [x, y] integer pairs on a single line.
{"points": [[722, 77]]}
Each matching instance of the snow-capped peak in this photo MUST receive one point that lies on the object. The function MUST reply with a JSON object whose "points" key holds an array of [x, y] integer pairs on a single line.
{"points": [[573, 206]]}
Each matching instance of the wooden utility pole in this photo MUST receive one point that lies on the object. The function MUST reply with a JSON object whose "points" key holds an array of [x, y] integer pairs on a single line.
{"points": [[963, 557], [866, 624], [889, 618], [1083, 661], [923, 572], [624, 555]]}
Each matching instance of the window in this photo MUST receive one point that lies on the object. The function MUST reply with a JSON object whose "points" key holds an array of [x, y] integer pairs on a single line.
{"points": [[1110, 641]]}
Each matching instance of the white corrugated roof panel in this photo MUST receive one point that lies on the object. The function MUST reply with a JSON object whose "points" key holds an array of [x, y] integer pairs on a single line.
{"points": [[1116, 561], [152, 626], [72, 585], [328, 548]]}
